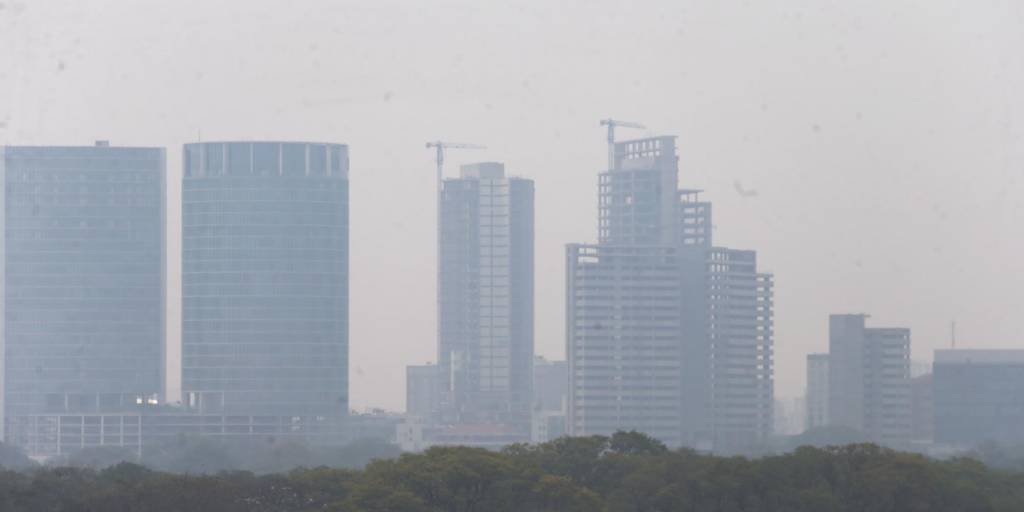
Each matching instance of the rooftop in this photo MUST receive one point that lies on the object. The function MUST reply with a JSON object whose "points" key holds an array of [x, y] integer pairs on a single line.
{"points": [[979, 356]]}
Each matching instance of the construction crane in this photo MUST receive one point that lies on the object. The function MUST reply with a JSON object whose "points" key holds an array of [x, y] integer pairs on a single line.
{"points": [[611, 124], [441, 146]]}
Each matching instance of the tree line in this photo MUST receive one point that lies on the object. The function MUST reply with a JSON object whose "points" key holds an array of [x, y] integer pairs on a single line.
{"points": [[623, 472]]}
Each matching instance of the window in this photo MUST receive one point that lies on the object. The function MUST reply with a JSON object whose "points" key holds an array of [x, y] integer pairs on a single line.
{"points": [[214, 160], [239, 159], [293, 159]]}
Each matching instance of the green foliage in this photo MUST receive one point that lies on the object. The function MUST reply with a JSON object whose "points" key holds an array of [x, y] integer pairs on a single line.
{"points": [[627, 472]]}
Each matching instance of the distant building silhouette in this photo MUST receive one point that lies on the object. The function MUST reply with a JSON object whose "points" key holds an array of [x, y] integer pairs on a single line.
{"points": [[265, 285], [922, 412], [550, 384], [550, 399], [817, 390], [869, 379], [421, 391], [83, 306], [979, 397]]}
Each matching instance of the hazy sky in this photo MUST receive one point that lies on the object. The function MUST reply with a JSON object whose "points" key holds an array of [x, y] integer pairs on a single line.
{"points": [[883, 139]]}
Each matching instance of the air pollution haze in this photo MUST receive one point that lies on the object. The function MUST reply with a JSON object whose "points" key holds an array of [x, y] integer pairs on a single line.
{"points": [[871, 152]]}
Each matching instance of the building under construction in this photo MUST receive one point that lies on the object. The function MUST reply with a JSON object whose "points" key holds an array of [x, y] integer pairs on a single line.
{"points": [[485, 338], [666, 334]]}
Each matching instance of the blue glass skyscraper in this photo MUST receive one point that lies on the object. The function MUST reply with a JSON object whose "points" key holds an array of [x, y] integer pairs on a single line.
{"points": [[265, 279], [83, 301]]}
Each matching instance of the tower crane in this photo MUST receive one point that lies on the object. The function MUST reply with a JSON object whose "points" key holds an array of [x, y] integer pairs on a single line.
{"points": [[611, 124], [440, 146]]}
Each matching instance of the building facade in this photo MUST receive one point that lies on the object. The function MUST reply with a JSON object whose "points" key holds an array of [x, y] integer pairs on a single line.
{"points": [[550, 399], [817, 390], [979, 397], [265, 281], [624, 335], [666, 333], [83, 302], [485, 345], [421, 392], [550, 384], [922, 389], [740, 327], [869, 379]]}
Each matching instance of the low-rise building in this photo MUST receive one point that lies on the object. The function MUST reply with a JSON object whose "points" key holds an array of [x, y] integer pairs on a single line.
{"points": [[979, 397]]}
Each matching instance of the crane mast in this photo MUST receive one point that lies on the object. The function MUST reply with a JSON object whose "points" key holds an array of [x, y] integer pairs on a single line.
{"points": [[440, 146], [611, 124]]}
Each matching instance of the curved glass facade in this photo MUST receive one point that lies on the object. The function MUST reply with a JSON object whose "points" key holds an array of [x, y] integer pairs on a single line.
{"points": [[265, 278]]}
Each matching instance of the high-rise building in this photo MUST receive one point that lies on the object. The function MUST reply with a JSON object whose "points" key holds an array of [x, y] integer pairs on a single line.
{"points": [[817, 390], [265, 281], [421, 393], [624, 302], [625, 341], [83, 302], [740, 331], [550, 384], [485, 345], [639, 197], [979, 397], [869, 379], [666, 334]]}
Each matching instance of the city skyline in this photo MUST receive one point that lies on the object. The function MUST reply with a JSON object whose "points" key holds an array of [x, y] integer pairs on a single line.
{"points": [[816, 186]]}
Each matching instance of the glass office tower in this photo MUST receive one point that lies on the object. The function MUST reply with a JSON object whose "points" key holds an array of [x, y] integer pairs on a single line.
{"points": [[265, 279], [83, 301]]}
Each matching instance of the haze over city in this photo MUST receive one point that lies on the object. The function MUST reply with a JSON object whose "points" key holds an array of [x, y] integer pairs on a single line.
{"points": [[870, 153]]}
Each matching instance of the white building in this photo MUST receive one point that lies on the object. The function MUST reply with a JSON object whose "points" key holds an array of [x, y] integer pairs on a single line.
{"points": [[869, 379]]}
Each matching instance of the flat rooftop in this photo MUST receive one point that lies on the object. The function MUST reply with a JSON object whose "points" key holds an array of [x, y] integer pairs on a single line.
{"points": [[483, 170], [979, 356]]}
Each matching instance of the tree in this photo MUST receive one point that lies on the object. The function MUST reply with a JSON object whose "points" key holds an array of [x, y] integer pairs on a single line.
{"points": [[624, 472], [636, 443], [560, 494]]}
